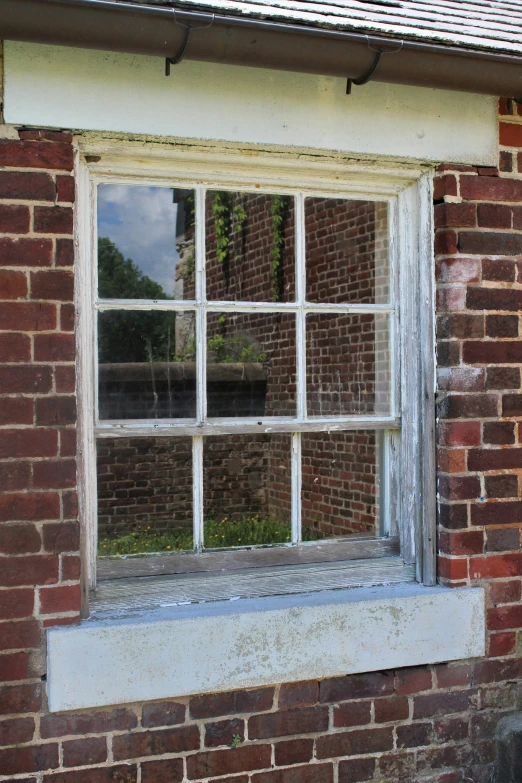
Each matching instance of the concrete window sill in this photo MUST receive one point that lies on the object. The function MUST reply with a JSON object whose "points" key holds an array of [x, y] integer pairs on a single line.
{"points": [[229, 645]]}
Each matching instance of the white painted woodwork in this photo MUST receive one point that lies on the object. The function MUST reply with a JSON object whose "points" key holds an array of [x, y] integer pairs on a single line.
{"points": [[102, 91], [229, 645]]}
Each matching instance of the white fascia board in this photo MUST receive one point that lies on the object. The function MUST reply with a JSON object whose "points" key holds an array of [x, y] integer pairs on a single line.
{"points": [[63, 87], [220, 646]]}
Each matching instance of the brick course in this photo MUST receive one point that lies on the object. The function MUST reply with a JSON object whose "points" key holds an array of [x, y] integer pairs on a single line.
{"points": [[430, 724]]}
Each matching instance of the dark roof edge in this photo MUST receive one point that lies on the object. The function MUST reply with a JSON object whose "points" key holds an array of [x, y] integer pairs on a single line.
{"points": [[161, 31]]}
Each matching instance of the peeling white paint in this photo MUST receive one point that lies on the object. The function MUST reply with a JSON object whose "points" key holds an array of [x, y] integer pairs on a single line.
{"points": [[225, 646], [90, 90]]}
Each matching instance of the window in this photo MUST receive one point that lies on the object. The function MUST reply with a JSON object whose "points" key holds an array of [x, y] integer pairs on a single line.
{"points": [[255, 377]]}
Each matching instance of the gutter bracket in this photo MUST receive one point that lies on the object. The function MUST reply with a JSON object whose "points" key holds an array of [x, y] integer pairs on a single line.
{"points": [[365, 78], [183, 48]]}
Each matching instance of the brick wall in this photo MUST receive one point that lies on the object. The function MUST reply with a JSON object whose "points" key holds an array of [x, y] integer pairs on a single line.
{"points": [[423, 725]]}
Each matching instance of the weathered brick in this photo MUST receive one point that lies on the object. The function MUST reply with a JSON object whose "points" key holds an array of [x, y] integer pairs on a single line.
{"points": [[445, 242], [503, 539], [227, 762], [460, 325], [65, 188], [16, 731], [459, 487], [512, 405], [354, 743], [414, 735], [451, 729], [463, 379], [459, 433], [28, 759], [464, 542], [278, 724], [53, 220], [505, 161], [452, 568], [355, 686], [494, 459], [510, 134], [496, 566], [30, 185], [458, 270], [165, 771], [298, 694], [13, 285], [492, 216], [15, 347], [14, 219], [504, 617], [392, 709], [506, 592], [352, 713], [25, 380], [491, 352], [311, 773], [31, 506], [452, 676], [494, 298], [54, 474], [503, 378], [55, 410], [65, 378], [463, 215], [356, 770], [453, 516], [16, 603], [413, 680], [231, 703], [19, 539], [67, 318], [497, 513], [122, 773], [297, 751], [444, 186], [54, 348], [25, 252], [52, 284], [504, 486], [27, 316], [468, 406], [14, 666], [20, 699], [155, 743], [28, 570], [223, 732], [36, 154], [502, 326], [501, 644], [434, 705], [64, 252], [80, 753], [490, 189], [16, 410], [54, 600], [53, 725]]}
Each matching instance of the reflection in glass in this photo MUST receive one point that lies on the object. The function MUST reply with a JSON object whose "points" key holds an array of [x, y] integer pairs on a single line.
{"points": [[340, 484], [250, 247], [247, 490], [144, 495], [147, 366], [347, 253], [145, 242], [251, 364], [348, 365]]}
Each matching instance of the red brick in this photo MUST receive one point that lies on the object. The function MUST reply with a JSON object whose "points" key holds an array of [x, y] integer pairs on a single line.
{"points": [[503, 378], [448, 353], [459, 433], [71, 568], [494, 459], [510, 134], [497, 671], [451, 729], [20, 698], [28, 759], [502, 644], [53, 220], [155, 743], [16, 603], [502, 326], [500, 270], [17, 410], [490, 188], [52, 284], [42, 133], [496, 566], [444, 186], [493, 216], [312, 773], [14, 219], [64, 252], [478, 352], [459, 487], [489, 243], [451, 299], [67, 318], [298, 751], [25, 252], [465, 379], [298, 694], [65, 379], [494, 298], [434, 705], [27, 316], [30, 506], [501, 486], [36, 154], [497, 513], [468, 406], [223, 732], [54, 474], [68, 443], [460, 325], [355, 686], [451, 676], [392, 709], [504, 617], [25, 380], [53, 725], [356, 770], [354, 743], [413, 680], [505, 592], [458, 270], [16, 731], [278, 724], [453, 516], [451, 460], [445, 242], [80, 753], [28, 443], [352, 713], [14, 666], [70, 505], [54, 600], [464, 542], [456, 215], [55, 410], [167, 771], [231, 703], [28, 570], [65, 188], [227, 762], [512, 405], [13, 285], [123, 773], [430, 759], [54, 347], [19, 539], [452, 568], [503, 539], [26, 185], [65, 537], [505, 165], [15, 348], [414, 735]]}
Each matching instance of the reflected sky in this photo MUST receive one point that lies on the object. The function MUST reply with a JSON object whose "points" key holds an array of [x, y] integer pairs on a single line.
{"points": [[141, 221]]}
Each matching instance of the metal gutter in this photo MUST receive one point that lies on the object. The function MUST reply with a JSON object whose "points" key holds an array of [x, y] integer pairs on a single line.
{"points": [[162, 32]]}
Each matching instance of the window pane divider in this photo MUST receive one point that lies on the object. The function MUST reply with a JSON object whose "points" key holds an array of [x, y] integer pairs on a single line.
{"points": [[241, 307]]}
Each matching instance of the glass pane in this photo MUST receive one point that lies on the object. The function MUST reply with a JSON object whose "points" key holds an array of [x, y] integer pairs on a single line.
{"points": [[147, 366], [251, 364], [144, 495], [348, 365], [247, 490], [340, 484], [145, 242], [250, 247], [347, 255]]}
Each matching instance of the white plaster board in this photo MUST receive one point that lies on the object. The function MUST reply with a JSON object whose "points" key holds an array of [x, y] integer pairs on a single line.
{"points": [[242, 644], [63, 87]]}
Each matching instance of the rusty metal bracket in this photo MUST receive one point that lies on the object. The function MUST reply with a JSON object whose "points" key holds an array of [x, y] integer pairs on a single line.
{"points": [[183, 48], [365, 78]]}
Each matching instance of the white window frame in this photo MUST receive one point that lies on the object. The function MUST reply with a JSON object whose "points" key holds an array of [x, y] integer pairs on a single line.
{"points": [[409, 431]]}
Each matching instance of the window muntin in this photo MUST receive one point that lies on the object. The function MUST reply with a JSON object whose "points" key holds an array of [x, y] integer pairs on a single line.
{"points": [[241, 350]]}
